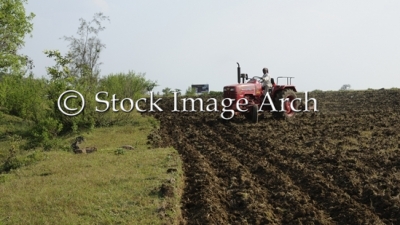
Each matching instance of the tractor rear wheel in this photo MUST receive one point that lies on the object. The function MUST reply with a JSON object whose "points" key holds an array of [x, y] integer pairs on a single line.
{"points": [[254, 113], [289, 106]]}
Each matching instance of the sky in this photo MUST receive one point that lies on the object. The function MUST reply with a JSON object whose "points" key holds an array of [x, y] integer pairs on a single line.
{"points": [[323, 44]]}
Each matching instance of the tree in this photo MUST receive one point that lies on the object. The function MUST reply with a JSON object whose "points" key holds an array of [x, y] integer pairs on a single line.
{"points": [[60, 71], [15, 24], [60, 80], [85, 50], [178, 91], [167, 91], [190, 92], [151, 85], [60, 75], [345, 87]]}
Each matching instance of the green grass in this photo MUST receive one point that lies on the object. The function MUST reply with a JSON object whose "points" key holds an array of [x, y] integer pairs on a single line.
{"points": [[110, 186], [9, 127]]}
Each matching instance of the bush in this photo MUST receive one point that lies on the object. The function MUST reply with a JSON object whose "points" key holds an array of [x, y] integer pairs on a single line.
{"points": [[119, 151], [317, 91], [213, 94], [24, 97], [125, 85], [36, 100], [14, 162], [45, 133]]}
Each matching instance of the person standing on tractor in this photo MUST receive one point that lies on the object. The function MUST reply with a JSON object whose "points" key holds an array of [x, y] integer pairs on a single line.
{"points": [[266, 81]]}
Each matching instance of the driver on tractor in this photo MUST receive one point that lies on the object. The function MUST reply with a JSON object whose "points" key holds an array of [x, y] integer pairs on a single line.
{"points": [[267, 84]]}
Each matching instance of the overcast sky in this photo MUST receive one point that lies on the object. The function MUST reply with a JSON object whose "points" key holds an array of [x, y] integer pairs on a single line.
{"points": [[323, 44]]}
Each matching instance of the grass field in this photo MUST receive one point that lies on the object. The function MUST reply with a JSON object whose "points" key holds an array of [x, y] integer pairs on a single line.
{"points": [[110, 186]]}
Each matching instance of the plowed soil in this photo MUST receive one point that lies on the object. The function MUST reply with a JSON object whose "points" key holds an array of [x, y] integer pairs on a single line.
{"points": [[340, 165]]}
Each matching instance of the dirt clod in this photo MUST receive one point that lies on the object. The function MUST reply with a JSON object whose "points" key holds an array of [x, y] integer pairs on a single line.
{"points": [[167, 190], [171, 170]]}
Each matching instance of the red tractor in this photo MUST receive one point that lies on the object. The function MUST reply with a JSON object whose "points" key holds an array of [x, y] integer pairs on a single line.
{"points": [[249, 100]]}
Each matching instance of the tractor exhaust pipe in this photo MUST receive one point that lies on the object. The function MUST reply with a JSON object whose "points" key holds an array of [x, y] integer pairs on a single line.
{"points": [[238, 73]]}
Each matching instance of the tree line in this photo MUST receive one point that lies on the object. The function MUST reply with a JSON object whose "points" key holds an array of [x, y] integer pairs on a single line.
{"points": [[36, 99]]}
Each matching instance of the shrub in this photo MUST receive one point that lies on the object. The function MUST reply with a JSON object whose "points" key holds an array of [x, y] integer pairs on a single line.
{"points": [[119, 151]]}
